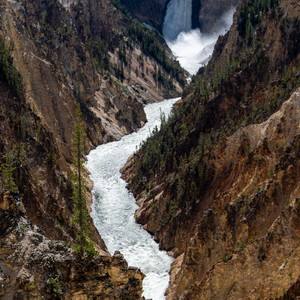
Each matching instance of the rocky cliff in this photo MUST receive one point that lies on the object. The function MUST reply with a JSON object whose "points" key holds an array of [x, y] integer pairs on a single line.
{"points": [[209, 16], [33, 267], [150, 12], [219, 184], [54, 56]]}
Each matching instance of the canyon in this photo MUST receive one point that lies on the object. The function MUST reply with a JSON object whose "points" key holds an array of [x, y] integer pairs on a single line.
{"points": [[217, 186], [55, 56], [205, 14], [114, 206]]}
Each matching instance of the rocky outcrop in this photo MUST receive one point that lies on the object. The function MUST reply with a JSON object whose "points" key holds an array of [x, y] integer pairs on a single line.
{"points": [[211, 12], [219, 184], [247, 243], [150, 12], [33, 266], [67, 3]]}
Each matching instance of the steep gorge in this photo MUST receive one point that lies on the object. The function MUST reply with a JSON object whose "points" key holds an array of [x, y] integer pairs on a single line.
{"points": [[62, 56], [219, 184]]}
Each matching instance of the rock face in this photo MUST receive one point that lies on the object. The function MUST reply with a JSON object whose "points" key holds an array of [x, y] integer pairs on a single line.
{"points": [[32, 266], [222, 191], [210, 13], [247, 243], [150, 12]]}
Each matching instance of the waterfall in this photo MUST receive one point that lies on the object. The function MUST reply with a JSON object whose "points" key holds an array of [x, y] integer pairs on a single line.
{"points": [[192, 48], [178, 18]]}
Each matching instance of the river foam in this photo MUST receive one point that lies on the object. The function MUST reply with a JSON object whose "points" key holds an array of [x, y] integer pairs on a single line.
{"points": [[113, 206]]}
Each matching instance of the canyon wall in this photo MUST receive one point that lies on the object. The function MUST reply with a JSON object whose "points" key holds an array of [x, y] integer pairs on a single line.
{"points": [[210, 13], [55, 57], [150, 12], [218, 186]]}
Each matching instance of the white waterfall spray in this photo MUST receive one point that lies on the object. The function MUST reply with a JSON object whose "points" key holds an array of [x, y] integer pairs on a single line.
{"points": [[191, 47], [113, 207], [178, 18]]}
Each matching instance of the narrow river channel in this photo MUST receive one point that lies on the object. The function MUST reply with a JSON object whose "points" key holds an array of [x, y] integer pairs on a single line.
{"points": [[113, 206]]}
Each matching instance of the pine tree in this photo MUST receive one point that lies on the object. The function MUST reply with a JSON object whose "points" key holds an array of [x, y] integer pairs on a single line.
{"points": [[7, 169], [21, 160], [79, 188], [249, 33]]}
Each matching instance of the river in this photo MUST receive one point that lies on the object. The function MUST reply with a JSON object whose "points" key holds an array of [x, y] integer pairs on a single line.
{"points": [[113, 206]]}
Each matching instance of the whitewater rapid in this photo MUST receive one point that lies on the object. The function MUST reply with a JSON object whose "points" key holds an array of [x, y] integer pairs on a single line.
{"points": [[191, 47], [113, 206]]}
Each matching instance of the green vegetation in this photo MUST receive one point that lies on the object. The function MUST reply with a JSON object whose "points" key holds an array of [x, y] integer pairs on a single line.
{"points": [[251, 14], [51, 158], [24, 227], [151, 45], [164, 153], [43, 17], [7, 169], [99, 52], [54, 286], [240, 246], [12, 168], [122, 8], [8, 72], [30, 287], [14, 159], [81, 214], [225, 96], [226, 257]]}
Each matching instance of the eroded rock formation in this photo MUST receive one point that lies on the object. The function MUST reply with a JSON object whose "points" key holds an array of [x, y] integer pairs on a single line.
{"points": [[33, 266], [150, 12], [210, 13]]}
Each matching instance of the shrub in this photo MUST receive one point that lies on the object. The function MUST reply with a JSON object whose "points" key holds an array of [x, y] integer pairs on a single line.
{"points": [[8, 72]]}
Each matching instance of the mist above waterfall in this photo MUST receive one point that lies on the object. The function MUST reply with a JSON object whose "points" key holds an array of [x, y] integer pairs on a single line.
{"points": [[178, 18], [191, 47]]}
